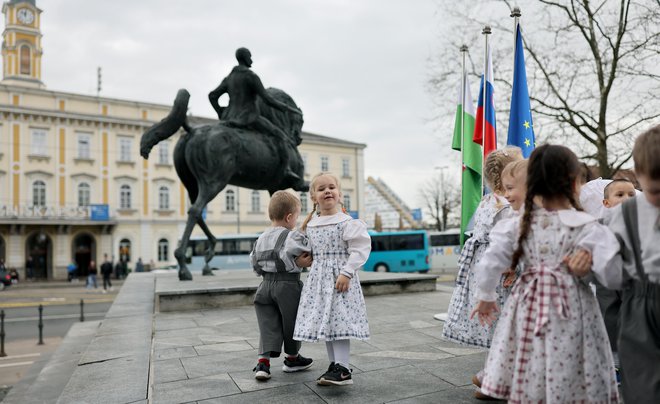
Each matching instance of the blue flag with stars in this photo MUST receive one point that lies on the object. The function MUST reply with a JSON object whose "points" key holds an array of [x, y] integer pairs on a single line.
{"points": [[521, 130]]}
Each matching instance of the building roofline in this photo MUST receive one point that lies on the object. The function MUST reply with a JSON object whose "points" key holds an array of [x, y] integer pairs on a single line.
{"points": [[61, 94]]}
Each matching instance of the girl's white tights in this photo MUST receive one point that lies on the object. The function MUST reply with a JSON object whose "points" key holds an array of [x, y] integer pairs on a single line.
{"points": [[339, 351]]}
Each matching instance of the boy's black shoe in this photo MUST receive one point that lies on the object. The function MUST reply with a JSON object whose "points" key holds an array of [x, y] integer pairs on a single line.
{"points": [[261, 371], [297, 364], [338, 376]]}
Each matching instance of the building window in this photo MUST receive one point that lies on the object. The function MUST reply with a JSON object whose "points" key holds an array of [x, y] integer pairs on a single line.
{"points": [[39, 193], [124, 149], [230, 201], [304, 159], [163, 248], [83, 194], [256, 201], [26, 65], [163, 198], [163, 153], [345, 167], [39, 142], [325, 166], [347, 202], [84, 146], [303, 202], [125, 197]]}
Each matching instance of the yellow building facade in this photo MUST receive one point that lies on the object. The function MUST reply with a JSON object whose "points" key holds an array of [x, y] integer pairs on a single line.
{"points": [[73, 186]]}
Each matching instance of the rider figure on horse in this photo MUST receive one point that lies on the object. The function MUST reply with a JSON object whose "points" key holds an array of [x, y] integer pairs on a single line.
{"points": [[243, 87]]}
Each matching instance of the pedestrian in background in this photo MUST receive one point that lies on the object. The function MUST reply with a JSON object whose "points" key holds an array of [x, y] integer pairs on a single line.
{"points": [[71, 270], [29, 268], [106, 271], [139, 266], [118, 269], [91, 278]]}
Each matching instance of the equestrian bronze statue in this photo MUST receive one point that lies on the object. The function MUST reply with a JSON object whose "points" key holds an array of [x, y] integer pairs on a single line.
{"points": [[254, 145]]}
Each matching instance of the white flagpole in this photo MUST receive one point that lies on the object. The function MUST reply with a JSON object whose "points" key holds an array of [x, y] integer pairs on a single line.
{"points": [[486, 31], [516, 20], [464, 50]]}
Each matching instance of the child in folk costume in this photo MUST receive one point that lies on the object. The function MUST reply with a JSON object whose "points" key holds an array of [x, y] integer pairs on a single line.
{"points": [[332, 306], [639, 335], [277, 298], [550, 344], [493, 208]]}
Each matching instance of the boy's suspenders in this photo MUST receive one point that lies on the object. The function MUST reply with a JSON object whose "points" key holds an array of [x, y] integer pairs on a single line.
{"points": [[274, 254], [629, 210]]}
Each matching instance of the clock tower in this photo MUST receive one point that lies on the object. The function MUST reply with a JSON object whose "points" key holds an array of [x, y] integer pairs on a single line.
{"points": [[21, 44]]}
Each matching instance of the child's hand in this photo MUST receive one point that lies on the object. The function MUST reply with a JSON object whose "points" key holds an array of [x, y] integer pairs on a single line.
{"points": [[579, 263], [486, 312], [342, 284], [304, 260]]}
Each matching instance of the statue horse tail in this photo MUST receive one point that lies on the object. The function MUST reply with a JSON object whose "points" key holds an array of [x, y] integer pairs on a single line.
{"points": [[168, 125]]}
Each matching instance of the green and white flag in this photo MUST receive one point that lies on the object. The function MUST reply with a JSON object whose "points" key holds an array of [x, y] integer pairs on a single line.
{"points": [[471, 155]]}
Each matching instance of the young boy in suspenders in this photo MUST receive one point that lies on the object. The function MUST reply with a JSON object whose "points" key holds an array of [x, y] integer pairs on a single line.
{"points": [[637, 225], [278, 295]]}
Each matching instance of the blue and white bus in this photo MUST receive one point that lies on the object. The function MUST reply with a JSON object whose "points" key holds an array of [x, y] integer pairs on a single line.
{"points": [[399, 251], [231, 252], [445, 250]]}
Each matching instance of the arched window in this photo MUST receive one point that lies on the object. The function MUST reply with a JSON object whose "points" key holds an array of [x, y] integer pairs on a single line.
{"points": [[230, 201], [163, 249], [125, 197], [256, 201], [83, 194], [125, 250], [347, 202], [25, 60], [163, 198], [303, 202], [39, 193]]}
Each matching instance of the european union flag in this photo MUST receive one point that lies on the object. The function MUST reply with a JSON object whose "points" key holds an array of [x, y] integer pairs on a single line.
{"points": [[521, 129]]}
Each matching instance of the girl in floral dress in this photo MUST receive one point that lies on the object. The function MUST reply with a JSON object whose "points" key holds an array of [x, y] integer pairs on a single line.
{"points": [[331, 305], [493, 208], [550, 344]]}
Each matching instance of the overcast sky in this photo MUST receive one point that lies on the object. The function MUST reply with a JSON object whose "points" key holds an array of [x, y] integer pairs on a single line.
{"points": [[357, 69]]}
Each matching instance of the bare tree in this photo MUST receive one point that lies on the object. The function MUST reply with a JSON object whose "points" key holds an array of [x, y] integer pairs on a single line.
{"points": [[440, 198], [592, 69]]}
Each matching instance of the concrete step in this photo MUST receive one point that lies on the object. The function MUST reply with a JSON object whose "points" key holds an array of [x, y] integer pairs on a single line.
{"points": [[47, 377]]}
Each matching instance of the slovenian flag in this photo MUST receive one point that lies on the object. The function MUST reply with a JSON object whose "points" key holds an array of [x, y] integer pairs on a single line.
{"points": [[486, 108], [521, 129]]}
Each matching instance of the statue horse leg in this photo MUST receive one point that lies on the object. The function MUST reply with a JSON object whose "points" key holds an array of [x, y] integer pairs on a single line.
{"points": [[210, 251], [194, 216]]}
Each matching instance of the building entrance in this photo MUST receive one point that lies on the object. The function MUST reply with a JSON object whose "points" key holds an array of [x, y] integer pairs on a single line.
{"points": [[40, 250], [84, 251]]}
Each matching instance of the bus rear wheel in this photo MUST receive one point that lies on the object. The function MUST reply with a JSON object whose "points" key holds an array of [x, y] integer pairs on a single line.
{"points": [[381, 268]]}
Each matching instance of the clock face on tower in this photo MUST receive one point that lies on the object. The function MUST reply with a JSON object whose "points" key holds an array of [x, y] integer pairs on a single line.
{"points": [[25, 16]]}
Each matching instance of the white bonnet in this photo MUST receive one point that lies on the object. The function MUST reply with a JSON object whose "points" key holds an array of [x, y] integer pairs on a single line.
{"points": [[591, 197]]}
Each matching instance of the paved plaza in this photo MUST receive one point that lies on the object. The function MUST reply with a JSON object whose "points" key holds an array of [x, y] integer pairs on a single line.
{"points": [[138, 355]]}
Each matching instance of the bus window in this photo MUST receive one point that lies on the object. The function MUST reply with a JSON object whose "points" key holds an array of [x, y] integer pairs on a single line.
{"points": [[405, 251], [407, 242]]}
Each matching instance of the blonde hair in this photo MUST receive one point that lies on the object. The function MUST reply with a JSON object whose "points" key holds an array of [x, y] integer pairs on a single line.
{"points": [[495, 163], [312, 189], [516, 170], [281, 204], [645, 153]]}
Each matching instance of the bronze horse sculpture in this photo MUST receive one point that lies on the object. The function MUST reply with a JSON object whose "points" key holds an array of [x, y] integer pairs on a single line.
{"points": [[209, 157]]}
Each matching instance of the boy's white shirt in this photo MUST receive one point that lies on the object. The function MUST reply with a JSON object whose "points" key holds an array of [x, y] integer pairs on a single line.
{"points": [[649, 235]]}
